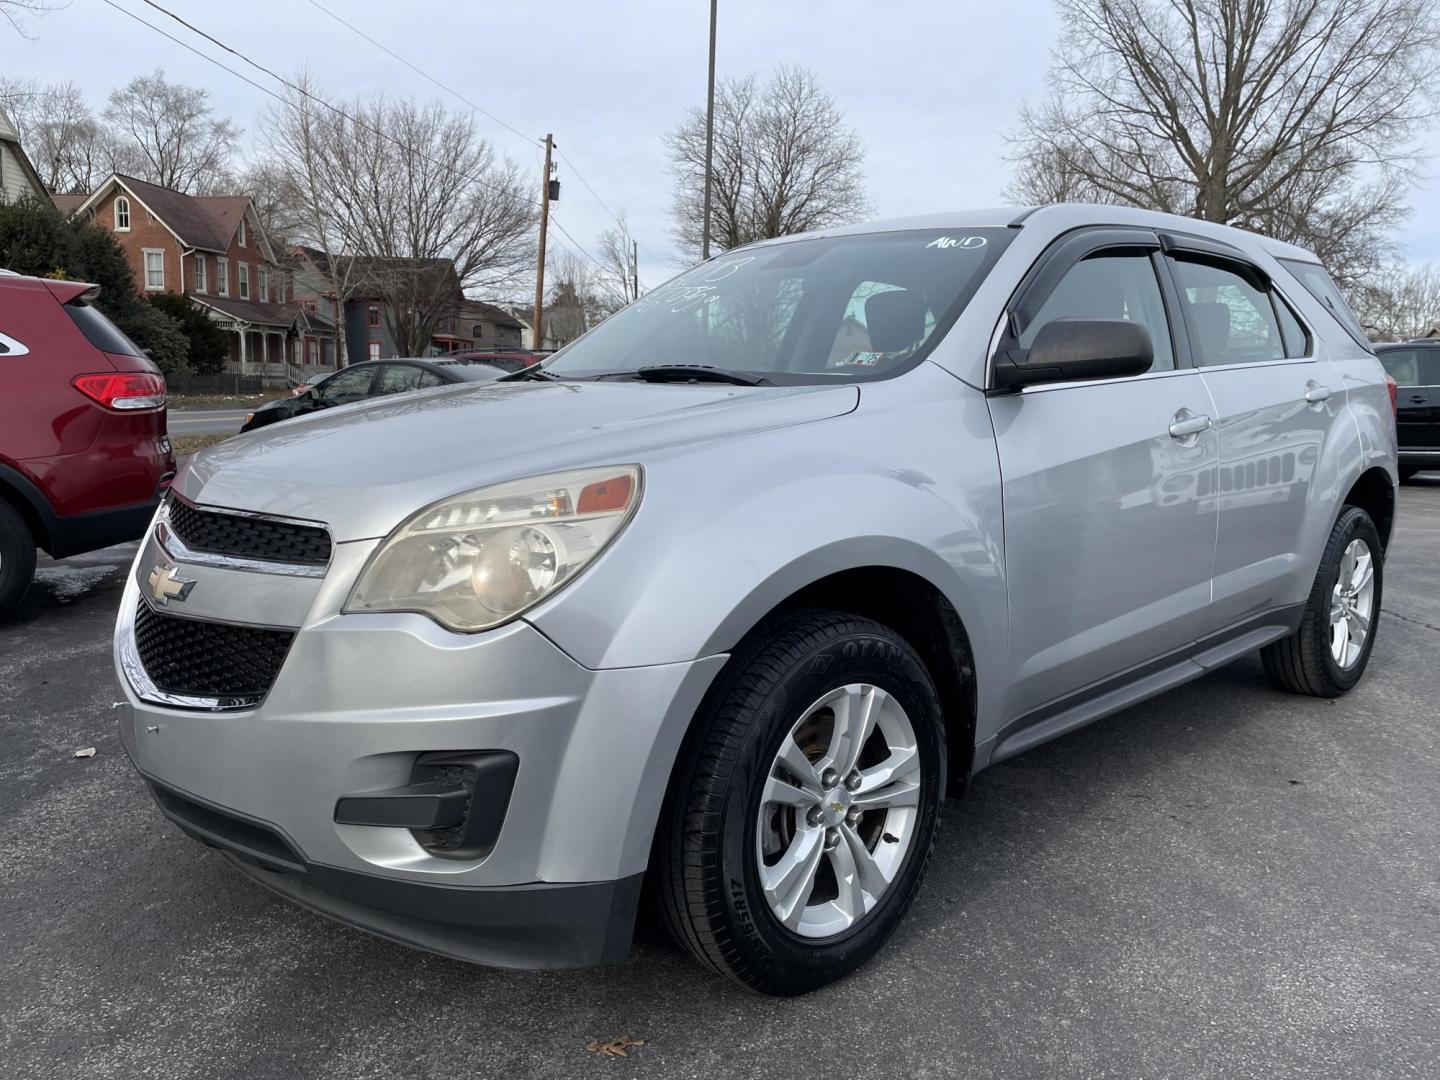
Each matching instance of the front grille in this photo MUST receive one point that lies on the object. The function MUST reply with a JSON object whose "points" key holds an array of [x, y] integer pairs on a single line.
{"points": [[249, 537], [196, 658]]}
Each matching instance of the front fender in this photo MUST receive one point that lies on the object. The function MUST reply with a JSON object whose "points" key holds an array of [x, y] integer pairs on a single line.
{"points": [[728, 532]]}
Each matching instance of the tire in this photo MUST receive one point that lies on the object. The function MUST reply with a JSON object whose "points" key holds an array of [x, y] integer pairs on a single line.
{"points": [[1407, 472], [1306, 662], [714, 833], [17, 558]]}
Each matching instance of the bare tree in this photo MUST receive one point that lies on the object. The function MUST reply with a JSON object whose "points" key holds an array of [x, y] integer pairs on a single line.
{"points": [[303, 145], [617, 283], [59, 131], [1399, 303], [784, 162], [1297, 119], [579, 297], [165, 133], [15, 11]]}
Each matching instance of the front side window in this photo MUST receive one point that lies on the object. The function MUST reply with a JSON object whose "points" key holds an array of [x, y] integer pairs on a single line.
{"points": [[824, 309], [1230, 312], [222, 276], [154, 269], [199, 273], [1116, 284], [264, 285], [351, 385], [244, 269], [122, 214]]}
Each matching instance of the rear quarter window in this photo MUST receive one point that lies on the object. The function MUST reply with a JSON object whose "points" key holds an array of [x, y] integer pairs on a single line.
{"points": [[100, 331], [1319, 284]]}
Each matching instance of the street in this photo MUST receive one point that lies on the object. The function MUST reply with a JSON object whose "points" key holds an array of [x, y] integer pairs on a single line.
{"points": [[1224, 882], [206, 421]]}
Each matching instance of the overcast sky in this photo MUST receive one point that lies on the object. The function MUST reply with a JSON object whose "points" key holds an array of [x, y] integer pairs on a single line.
{"points": [[932, 87]]}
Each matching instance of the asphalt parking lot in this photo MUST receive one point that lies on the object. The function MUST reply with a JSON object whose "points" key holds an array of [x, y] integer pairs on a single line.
{"points": [[1225, 882]]}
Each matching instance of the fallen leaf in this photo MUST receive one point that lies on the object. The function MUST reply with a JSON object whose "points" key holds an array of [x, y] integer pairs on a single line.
{"points": [[615, 1047], [89, 751]]}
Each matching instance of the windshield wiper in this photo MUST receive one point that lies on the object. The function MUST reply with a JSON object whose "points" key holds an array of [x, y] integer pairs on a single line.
{"points": [[691, 373], [534, 371]]}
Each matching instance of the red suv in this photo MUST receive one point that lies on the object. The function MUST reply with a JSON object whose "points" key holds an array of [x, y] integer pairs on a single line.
{"points": [[84, 456]]}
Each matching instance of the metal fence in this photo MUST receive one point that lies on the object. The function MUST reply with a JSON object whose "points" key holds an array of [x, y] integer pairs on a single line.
{"points": [[184, 382]]}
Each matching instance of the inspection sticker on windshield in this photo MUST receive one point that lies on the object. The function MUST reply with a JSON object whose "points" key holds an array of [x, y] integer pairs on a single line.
{"points": [[969, 243], [861, 359]]}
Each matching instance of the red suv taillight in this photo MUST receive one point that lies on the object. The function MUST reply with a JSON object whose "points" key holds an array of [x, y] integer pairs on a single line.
{"points": [[1394, 395], [123, 391]]}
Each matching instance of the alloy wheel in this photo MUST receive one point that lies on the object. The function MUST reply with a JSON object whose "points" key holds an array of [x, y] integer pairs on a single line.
{"points": [[839, 810], [1352, 604]]}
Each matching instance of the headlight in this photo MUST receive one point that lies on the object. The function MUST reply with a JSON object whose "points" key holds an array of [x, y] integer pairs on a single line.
{"points": [[478, 559]]}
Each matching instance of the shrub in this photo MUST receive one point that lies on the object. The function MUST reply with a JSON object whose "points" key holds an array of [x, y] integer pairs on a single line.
{"points": [[209, 344]]}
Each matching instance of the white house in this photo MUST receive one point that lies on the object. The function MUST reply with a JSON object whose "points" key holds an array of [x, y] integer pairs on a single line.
{"points": [[18, 177]]}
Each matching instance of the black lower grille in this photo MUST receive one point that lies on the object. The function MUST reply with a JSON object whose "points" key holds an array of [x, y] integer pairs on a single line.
{"points": [[208, 659], [249, 537]]}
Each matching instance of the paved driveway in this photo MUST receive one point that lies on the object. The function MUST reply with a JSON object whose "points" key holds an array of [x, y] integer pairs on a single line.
{"points": [[1225, 882]]}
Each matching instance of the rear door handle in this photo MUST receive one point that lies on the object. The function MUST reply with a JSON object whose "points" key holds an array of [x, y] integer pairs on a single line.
{"points": [[1315, 393], [1418, 399], [1185, 424]]}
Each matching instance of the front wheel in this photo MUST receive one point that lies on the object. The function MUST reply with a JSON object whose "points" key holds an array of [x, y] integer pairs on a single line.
{"points": [[805, 809], [1328, 654]]}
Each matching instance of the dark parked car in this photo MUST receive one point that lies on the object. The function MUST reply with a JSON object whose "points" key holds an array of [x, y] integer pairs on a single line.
{"points": [[1415, 367], [371, 379], [84, 456]]}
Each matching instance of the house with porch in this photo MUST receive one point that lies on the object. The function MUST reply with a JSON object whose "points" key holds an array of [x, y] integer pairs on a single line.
{"points": [[372, 284], [213, 250]]}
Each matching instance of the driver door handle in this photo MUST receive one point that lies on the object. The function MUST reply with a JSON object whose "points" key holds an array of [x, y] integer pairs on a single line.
{"points": [[1315, 393], [1186, 424]]}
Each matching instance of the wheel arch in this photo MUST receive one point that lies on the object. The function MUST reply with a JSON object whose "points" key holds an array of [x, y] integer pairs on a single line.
{"points": [[20, 493], [1374, 492]]}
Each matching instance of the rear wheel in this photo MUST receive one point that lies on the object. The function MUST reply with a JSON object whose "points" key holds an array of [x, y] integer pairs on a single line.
{"points": [[17, 558], [1328, 654], [804, 812]]}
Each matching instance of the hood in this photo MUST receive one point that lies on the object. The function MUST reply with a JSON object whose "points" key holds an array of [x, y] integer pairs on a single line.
{"points": [[364, 468]]}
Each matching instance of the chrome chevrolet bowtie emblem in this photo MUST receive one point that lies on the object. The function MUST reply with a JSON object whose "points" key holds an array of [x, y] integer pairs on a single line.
{"points": [[166, 584]]}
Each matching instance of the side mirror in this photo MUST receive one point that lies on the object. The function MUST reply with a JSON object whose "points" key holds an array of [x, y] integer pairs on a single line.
{"points": [[1067, 350]]}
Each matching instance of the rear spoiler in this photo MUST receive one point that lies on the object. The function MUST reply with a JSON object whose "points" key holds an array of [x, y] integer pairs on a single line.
{"points": [[68, 292]]}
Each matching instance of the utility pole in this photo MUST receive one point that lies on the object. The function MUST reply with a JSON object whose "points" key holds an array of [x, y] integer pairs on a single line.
{"points": [[537, 335], [635, 269], [709, 134]]}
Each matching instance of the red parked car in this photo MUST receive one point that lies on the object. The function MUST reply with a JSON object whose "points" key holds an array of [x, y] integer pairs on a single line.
{"points": [[84, 456]]}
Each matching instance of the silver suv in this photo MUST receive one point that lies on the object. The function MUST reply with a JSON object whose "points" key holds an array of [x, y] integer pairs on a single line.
{"points": [[726, 597]]}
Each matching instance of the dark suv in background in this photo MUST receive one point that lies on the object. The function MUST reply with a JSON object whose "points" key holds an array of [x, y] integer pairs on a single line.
{"points": [[1415, 367], [84, 456]]}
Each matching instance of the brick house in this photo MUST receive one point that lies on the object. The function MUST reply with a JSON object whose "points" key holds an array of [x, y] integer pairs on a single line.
{"points": [[212, 249]]}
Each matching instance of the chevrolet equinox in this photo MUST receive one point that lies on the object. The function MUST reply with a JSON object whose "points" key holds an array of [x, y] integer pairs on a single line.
{"points": [[728, 595]]}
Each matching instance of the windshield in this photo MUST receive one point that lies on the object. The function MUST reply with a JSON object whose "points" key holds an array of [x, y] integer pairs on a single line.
{"points": [[823, 309]]}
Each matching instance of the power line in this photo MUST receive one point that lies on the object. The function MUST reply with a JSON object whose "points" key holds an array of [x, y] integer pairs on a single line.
{"points": [[303, 92], [484, 112], [424, 75]]}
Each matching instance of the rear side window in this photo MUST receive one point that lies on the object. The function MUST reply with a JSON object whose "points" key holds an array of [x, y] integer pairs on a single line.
{"points": [[1233, 315], [1319, 285], [100, 331]]}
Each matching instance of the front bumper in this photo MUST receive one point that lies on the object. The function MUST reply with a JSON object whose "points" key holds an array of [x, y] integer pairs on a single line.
{"points": [[358, 699]]}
